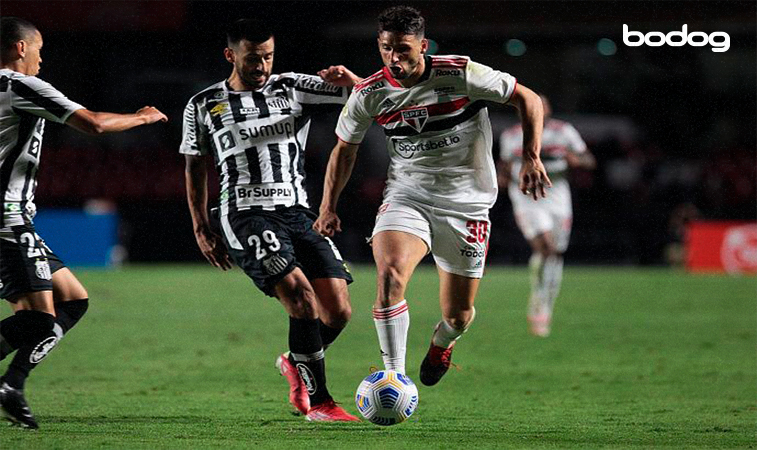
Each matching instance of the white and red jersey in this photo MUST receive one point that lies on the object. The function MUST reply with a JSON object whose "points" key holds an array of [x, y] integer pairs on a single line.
{"points": [[557, 140], [438, 132]]}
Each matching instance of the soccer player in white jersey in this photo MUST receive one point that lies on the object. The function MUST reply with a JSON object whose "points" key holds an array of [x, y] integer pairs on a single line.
{"points": [[441, 181], [255, 125], [46, 297], [545, 224]]}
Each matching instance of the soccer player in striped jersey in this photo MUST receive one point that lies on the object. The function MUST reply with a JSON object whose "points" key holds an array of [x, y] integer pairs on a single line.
{"points": [[255, 125], [441, 181], [545, 224], [46, 297]]}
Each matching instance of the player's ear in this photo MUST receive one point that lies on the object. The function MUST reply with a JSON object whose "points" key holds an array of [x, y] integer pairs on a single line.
{"points": [[21, 47], [228, 53], [424, 46]]}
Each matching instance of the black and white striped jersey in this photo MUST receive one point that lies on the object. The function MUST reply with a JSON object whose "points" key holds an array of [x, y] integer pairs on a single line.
{"points": [[258, 138], [25, 103]]}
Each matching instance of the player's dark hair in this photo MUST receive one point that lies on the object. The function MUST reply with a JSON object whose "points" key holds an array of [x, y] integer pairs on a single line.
{"points": [[252, 30], [12, 30], [403, 20]]}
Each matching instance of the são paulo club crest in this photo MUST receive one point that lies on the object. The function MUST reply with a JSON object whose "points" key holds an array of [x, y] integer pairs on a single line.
{"points": [[416, 118]]}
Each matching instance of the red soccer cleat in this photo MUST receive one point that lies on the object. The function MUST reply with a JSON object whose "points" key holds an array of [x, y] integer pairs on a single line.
{"points": [[435, 364], [329, 411], [298, 393]]}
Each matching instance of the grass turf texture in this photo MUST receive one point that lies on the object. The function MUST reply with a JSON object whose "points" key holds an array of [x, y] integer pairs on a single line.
{"points": [[182, 357]]}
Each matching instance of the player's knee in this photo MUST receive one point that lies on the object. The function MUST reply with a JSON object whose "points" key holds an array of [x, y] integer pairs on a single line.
{"points": [[391, 281], [462, 319], [338, 318]]}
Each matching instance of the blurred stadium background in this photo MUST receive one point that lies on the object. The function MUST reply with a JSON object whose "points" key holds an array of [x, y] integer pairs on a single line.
{"points": [[673, 129]]}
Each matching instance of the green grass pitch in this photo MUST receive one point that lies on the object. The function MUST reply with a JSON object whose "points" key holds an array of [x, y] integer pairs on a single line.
{"points": [[182, 357]]}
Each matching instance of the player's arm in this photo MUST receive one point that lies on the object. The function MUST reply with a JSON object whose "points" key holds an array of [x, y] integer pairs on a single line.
{"points": [[91, 122], [211, 245], [533, 176], [339, 76], [581, 160], [338, 171]]}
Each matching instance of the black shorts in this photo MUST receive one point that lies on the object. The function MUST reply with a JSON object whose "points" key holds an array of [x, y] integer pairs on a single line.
{"points": [[26, 263], [275, 242]]}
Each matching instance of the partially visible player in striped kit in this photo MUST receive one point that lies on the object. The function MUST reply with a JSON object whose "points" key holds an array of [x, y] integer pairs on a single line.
{"points": [[546, 224], [47, 298], [255, 125], [441, 181]]}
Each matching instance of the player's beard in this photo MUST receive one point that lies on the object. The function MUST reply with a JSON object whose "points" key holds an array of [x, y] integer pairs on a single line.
{"points": [[251, 80], [400, 73]]}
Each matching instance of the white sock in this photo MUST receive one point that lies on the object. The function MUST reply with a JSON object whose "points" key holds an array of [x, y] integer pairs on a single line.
{"points": [[445, 334], [539, 293], [392, 324], [552, 279]]}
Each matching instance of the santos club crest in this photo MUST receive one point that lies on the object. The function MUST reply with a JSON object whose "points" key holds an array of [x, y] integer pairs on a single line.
{"points": [[415, 117]]}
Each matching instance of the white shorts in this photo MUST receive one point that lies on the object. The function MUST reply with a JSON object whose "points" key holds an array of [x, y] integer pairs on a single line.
{"points": [[553, 214], [458, 241]]}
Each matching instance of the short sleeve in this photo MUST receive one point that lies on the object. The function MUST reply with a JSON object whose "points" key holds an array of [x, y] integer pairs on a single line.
{"points": [[354, 121], [485, 83], [40, 98], [312, 90], [195, 137], [575, 143]]}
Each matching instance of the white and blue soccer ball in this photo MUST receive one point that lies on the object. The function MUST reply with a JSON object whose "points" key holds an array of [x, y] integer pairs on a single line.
{"points": [[386, 397]]}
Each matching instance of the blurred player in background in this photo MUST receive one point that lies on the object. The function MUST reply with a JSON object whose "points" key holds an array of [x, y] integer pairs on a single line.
{"points": [[47, 298], [255, 124], [441, 181], [546, 224]]}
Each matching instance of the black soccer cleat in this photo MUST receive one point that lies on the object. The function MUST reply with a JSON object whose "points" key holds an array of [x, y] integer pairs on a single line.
{"points": [[13, 405], [435, 364]]}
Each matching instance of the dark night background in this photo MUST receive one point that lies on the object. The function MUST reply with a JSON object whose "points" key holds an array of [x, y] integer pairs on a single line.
{"points": [[673, 128]]}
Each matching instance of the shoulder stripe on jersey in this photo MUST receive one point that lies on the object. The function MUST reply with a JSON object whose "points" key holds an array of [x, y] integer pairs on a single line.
{"points": [[371, 79], [25, 130], [440, 125], [22, 90], [436, 109]]}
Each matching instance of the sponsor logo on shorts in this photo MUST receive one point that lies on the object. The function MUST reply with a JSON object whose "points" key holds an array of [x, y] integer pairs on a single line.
{"points": [[408, 149], [307, 377], [472, 252], [43, 270], [416, 118], [275, 264], [42, 349]]}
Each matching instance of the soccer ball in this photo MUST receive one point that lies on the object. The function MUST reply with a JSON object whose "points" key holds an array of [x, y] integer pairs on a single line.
{"points": [[386, 397]]}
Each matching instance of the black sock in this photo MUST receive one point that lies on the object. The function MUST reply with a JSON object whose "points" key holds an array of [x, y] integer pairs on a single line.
{"points": [[29, 355], [328, 334], [306, 354], [30, 330]]}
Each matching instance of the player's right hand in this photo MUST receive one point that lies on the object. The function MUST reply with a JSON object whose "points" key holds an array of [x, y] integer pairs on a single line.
{"points": [[327, 223], [212, 247], [152, 114]]}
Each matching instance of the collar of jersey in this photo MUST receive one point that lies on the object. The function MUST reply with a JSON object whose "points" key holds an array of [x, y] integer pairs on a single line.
{"points": [[228, 88]]}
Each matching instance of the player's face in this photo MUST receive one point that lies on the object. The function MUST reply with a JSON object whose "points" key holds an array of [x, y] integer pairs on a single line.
{"points": [[253, 62], [402, 53], [32, 56]]}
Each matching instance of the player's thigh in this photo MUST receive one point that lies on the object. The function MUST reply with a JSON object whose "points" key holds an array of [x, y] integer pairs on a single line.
{"points": [[460, 242], [26, 266], [67, 287], [533, 220], [263, 251], [296, 294], [563, 224], [318, 256], [401, 237]]}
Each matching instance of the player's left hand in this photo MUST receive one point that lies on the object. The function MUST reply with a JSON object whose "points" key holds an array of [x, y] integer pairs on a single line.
{"points": [[339, 76], [534, 179]]}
